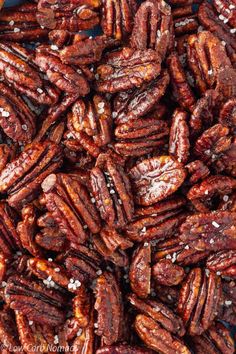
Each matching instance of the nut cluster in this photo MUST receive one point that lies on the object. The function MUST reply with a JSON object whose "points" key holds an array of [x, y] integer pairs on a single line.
{"points": [[118, 177]]}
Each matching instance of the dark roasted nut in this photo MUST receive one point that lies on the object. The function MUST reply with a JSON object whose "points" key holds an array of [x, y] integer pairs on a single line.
{"points": [[199, 300], [126, 69], [166, 273], [19, 24], [73, 15], [161, 220], [227, 114], [123, 349], [65, 77], [112, 193], [182, 91], [117, 17], [179, 136], [210, 231], [22, 178], [204, 194], [9, 238], [217, 23], [160, 313], [156, 178], [93, 120], [157, 338], [38, 303], [140, 271], [70, 205], [18, 69], [197, 170], [109, 307], [203, 115], [16, 118], [136, 103], [140, 137], [223, 262], [153, 27], [217, 339]]}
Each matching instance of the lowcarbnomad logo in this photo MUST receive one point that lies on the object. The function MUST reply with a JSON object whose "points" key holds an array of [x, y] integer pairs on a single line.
{"points": [[38, 348]]}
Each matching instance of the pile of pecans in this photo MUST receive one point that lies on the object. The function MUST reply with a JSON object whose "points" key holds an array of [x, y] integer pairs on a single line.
{"points": [[118, 177]]}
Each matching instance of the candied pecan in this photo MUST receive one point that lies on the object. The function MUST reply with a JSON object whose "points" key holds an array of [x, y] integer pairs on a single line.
{"points": [[38, 303], [197, 170], [217, 339], [127, 68], [227, 161], [185, 20], [140, 270], [112, 193], [202, 115], [166, 273], [160, 313], [223, 262], [109, 307], [60, 38], [19, 23], [136, 103], [61, 75], [217, 24], [157, 338], [84, 342], [70, 205], [83, 264], [158, 221], [210, 231], [179, 136], [22, 177], [123, 349], [73, 15], [93, 119], [227, 115], [153, 27], [136, 138], [156, 178], [203, 195], [199, 300], [118, 257], [117, 17], [27, 230], [182, 91], [18, 69], [5, 155], [213, 143], [227, 9], [9, 240], [3, 266]]}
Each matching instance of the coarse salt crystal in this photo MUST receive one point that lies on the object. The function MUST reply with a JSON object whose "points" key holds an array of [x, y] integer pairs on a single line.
{"points": [[101, 105], [11, 23], [228, 302], [57, 270], [24, 127], [54, 47], [225, 198], [16, 30], [5, 114], [39, 90], [215, 224], [31, 323], [99, 272]]}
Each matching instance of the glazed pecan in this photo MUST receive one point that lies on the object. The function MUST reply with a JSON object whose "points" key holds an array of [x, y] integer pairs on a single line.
{"points": [[140, 271], [5, 155], [8, 333], [71, 207], [73, 15], [166, 273], [179, 136], [197, 171], [117, 17], [156, 178], [204, 194], [153, 27], [109, 307], [136, 103], [127, 68], [140, 137], [112, 193], [39, 304], [161, 220], [199, 300], [216, 340], [160, 313], [185, 20], [123, 349], [19, 23], [156, 338], [91, 124], [18, 69], [223, 262], [227, 115], [210, 231], [182, 91], [22, 178]]}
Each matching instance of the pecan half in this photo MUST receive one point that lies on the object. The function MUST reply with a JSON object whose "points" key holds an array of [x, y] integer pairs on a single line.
{"points": [[126, 69], [166, 273], [197, 171], [227, 115], [199, 300], [223, 262], [156, 178]]}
